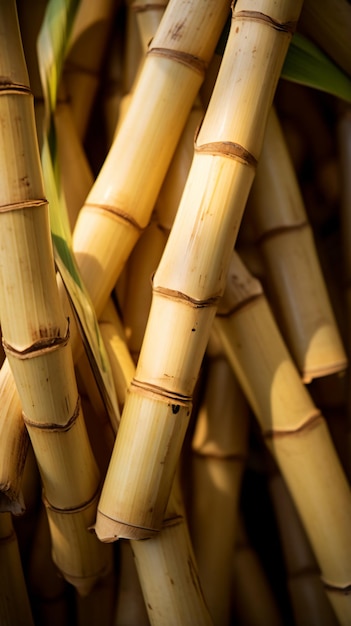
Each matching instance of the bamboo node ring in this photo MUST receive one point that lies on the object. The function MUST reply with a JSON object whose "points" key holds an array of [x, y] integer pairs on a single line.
{"points": [[258, 16], [52, 427], [199, 65]]}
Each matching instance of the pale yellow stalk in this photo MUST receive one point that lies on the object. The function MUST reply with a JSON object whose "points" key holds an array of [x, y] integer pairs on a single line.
{"points": [[148, 16], [87, 47], [120, 203], [108, 252], [294, 429], [48, 590], [130, 606], [293, 273], [14, 602], [192, 272], [309, 601], [35, 331], [219, 448], [344, 147]]}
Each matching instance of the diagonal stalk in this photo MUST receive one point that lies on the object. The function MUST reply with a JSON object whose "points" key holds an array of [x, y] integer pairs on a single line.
{"points": [[192, 272], [293, 427]]}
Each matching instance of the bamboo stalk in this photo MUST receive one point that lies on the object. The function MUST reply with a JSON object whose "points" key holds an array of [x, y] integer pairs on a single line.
{"points": [[191, 275], [172, 106], [344, 147], [14, 602], [35, 332], [82, 71], [293, 428], [175, 595], [130, 606], [48, 590], [254, 603], [14, 444], [294, 276], [219, 448], [148, 16], [120, 203], [308, 598]]}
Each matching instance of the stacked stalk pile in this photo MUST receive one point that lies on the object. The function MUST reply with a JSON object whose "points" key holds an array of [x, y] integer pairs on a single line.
{"points": [[178, 582], [191, 275]]}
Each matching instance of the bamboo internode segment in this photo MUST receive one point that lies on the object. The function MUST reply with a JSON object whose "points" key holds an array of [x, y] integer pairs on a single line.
{"points": [[294, 275], [191, 275], [219, 446], [175, 597], [295, 431], [14, 603], [308, 597], [35, 330], [83, 64], [120, 203], [14, 444]]}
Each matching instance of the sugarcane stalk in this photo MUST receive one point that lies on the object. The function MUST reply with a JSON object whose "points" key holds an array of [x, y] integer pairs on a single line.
{"points": [[219, 449], [254, 602], [191, 275], [344, 147], [186, 73], [293, 428], [14, 601], [36, 333], [82, 71], [120, 203], [309, 601], [48, 590], [130, 606], [148, 16], [14, 444], [293, 273]]}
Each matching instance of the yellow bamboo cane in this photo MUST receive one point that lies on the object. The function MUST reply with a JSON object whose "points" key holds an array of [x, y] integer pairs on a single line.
{"points": [[120, 203], [309, 601], [35, 332], [82, 72], [254, 602], [294, 429], [191, 275], [14, 602], [219, 448], [293, 273]]}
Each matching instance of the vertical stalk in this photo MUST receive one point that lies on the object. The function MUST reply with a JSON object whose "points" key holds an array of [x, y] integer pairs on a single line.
{"points": [[191, 275], [294, 276], [35, 331]]}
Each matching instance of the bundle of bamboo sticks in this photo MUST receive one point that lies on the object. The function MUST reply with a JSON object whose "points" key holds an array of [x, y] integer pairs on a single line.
{"points": [[203, 199]]}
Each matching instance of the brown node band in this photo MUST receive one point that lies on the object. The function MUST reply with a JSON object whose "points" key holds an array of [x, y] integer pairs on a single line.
{"points": [[227, 149], [117, 213], [175, 399], [173, 294], [310, 423], [27, 204], [257, 16], [38, 348], [51, 427], [180, 57]]}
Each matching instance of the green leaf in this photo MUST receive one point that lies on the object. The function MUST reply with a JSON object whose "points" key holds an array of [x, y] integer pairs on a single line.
{"points": [[306, 64], [52, 44]]}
